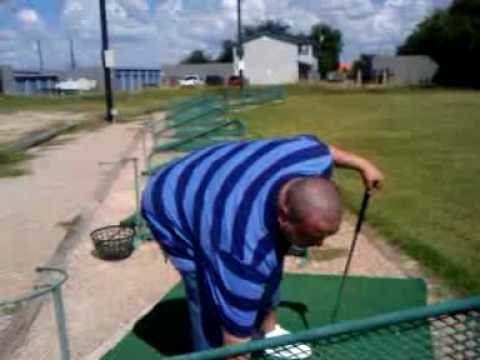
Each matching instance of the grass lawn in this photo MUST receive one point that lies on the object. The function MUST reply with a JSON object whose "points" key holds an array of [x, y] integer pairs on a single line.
{"points": [[426, 141], [128, 104], [11, 163]]}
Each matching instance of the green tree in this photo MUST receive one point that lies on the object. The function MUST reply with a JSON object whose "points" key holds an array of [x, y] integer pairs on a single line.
{"points": [[276, 27], [226, 56], [363, 64], [196, 57], [451, 37], [328, 45]]}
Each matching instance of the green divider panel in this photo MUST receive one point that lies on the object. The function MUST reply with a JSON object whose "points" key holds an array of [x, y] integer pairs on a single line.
{"points": [[253, 95], [186, 110], [308, 301], [228, 130], [193, 112]]}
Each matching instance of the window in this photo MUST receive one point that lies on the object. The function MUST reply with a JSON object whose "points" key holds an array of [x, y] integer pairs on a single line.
{"points": [[303, 49]]}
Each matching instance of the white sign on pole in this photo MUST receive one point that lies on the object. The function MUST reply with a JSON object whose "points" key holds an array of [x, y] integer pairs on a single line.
{"points": [[109, 58], [241, 65]]}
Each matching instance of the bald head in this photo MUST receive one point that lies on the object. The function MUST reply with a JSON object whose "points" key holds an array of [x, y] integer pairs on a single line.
{"points": [[310, 208], [313, 195]]}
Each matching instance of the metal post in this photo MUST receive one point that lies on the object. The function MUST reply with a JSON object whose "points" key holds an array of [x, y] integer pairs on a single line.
{"points": [[240, 42], [144, 144], [61, 323], [73, 63], [40, 56], [137, 190], [134, 160], [110, 111]]}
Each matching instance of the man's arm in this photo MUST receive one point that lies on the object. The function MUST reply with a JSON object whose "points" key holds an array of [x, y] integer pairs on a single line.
{"points": [[229, 339], [371, 175]]}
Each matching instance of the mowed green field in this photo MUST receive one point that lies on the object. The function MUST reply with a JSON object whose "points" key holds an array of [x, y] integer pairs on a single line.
{"points": [[428, 144], [128, 104]]}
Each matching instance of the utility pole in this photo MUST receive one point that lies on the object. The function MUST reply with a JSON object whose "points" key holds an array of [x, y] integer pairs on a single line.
{"points": [[73, 63], [107, 63], [40, 56], [241, 64]]}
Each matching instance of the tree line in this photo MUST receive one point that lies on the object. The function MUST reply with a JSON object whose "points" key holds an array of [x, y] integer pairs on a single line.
{"points": [[326, 41], [451, 37]]}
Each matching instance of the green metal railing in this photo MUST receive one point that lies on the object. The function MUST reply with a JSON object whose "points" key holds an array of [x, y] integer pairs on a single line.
{"points": [[208, 115], [189, 102], [55, 289], [253, 95], [225, 131], [449, 330]]}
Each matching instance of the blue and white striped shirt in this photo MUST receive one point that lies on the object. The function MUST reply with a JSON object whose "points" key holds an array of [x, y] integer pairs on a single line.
{"points": [[215, 211]]}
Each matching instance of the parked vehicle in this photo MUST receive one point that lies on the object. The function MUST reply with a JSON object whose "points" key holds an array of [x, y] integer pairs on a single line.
{"points": [[214, 80], [334, 76], [77, 85], [235, 80], [191, 80]]}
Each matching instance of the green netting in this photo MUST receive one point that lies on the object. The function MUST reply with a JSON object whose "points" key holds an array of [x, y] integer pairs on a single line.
{"points": [[307, 303], [440, 332]]}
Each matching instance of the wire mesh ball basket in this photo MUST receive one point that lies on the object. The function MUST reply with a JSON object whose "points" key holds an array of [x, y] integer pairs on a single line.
{"points": [[114, 242]]}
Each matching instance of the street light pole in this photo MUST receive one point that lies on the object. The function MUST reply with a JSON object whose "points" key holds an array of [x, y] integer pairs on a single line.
{"points": [[240, 42], [110, 111]]}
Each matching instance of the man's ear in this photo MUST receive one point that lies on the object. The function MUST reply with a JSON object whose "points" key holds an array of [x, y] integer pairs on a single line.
{"points": [[282, 215]]}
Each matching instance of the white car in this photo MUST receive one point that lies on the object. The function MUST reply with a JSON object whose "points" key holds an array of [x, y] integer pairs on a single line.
{"points": [[191, 80], [81, 84]]}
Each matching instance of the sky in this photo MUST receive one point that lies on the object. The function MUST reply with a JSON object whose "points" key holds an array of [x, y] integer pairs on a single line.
{"points": [[151, 33]]}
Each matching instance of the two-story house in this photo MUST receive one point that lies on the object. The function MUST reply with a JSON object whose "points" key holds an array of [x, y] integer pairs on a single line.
{"points": [[277, 59]]}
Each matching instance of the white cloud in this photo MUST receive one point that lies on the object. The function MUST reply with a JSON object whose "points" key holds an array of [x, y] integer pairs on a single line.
{"points": [[31, 24], [28, 16], [148, 36]]}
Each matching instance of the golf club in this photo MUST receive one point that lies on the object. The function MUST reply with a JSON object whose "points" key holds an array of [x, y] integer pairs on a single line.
{"points": [[361, 217]]}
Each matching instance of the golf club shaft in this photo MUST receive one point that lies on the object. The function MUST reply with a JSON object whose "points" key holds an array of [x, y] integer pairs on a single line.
{"points": [[358, 227]]}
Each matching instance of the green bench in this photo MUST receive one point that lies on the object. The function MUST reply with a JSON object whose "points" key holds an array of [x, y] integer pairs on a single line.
{"points": [[227, 130]]}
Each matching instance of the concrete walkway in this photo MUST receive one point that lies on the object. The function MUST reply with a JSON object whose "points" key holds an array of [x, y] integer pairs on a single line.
{"points": [[36, 209], [101, 297]]}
